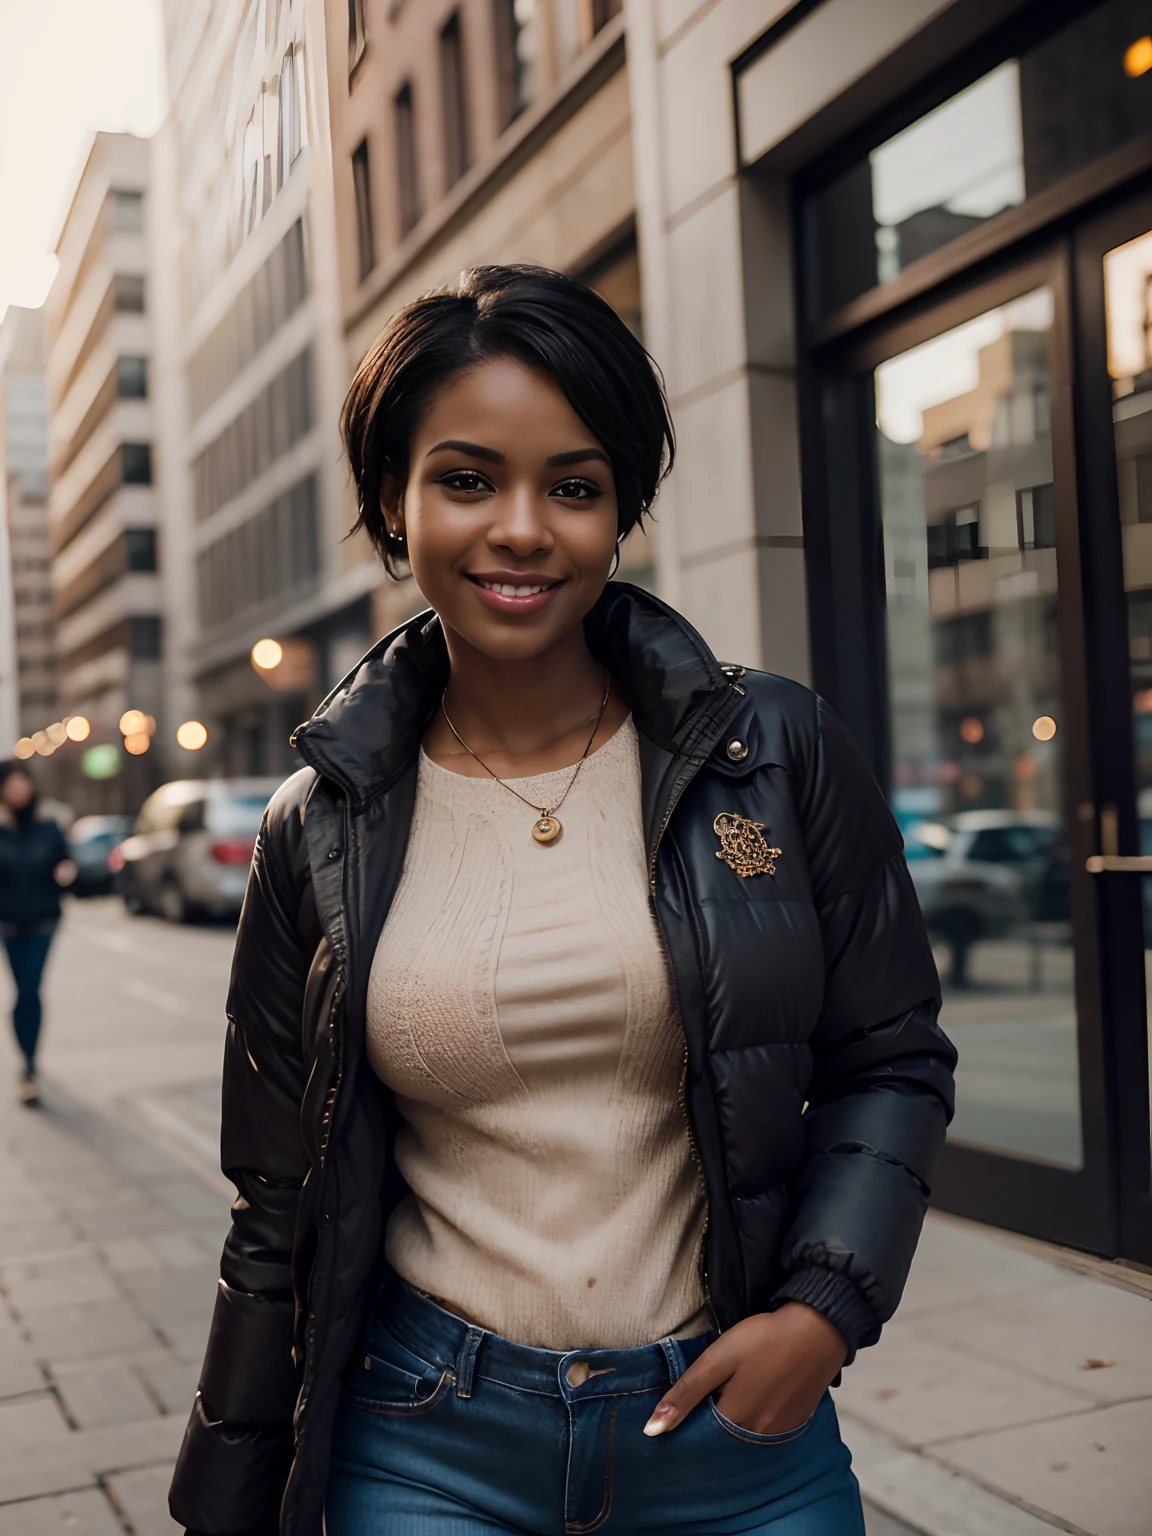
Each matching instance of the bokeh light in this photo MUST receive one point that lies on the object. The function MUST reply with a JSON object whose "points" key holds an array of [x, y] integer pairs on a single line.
{"points": [[267, 654], [972, 730], [56, 733], [192, 735], [137, 743], [24, 748], [100, 762], [1138, 58], [43, 743], [133, 722], [77, 728], [1044, 729]]}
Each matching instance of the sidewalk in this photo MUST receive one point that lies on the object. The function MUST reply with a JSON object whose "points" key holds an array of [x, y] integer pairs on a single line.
{"points": [[1012, 1396]]}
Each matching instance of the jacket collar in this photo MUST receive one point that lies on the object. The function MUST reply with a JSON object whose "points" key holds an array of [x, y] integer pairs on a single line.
{"points": [[368, 730]]}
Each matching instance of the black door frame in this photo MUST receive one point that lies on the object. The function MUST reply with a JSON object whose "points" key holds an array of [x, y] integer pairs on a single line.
{"points": [[1120, 900], [1077, 1207]]}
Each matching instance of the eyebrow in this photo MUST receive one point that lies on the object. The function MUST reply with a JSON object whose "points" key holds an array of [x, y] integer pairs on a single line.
{"points": [[493, 456]]}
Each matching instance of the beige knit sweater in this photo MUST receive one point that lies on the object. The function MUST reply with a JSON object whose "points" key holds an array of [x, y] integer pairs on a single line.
{"points": [[519, 1008]]}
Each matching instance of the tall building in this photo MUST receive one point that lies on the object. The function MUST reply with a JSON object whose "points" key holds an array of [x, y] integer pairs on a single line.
{"points": [[27, 617], [104, 512], [264, 497], [469, 131]]}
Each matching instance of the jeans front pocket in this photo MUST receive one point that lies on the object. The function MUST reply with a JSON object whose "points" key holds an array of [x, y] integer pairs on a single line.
{"points": [[389, 1378], [750, 1436]]}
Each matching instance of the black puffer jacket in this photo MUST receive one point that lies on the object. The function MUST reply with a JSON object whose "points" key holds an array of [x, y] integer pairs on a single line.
{"points": [[818, 1083]]}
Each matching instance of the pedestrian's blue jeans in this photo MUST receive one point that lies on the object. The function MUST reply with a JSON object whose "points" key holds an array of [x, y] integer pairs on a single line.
{"points": [[447, 1430], [27, 952]]}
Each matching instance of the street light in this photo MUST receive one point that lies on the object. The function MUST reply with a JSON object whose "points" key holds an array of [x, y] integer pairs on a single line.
{"points": [[77, 728], [191, 735], [267, 655]]}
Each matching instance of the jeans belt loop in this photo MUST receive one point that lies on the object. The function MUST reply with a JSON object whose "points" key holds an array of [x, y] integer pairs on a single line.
{"points": [[675, 1357], [466, 1360]]}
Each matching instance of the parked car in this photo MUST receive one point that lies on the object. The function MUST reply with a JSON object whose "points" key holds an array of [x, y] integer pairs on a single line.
{"points": [[981, 873], [191, 846], [90, 841]]}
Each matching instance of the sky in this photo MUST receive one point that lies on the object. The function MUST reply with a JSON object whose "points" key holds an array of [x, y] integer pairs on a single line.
{"points": [[67, 68]]}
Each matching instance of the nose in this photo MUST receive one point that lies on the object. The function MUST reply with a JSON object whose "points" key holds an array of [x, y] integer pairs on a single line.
{"points": [[521, 524]]}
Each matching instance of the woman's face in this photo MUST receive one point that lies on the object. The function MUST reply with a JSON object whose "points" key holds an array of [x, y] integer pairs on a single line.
{"points": [[509, 511], [17, 791]]}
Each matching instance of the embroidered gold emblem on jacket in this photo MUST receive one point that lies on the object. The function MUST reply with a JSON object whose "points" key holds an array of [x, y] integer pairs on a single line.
{"points": [[743, 846]]}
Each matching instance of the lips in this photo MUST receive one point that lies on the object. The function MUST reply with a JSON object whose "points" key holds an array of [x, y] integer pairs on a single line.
{"points": [[514, 591]]}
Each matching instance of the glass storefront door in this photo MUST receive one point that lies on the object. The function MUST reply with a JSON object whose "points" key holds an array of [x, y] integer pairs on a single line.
{"points": [[977, 712], [961, 538]]}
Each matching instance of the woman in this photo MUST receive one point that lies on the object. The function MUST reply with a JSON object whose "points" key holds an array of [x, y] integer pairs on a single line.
{"points": [[34, 865], [583, 1080]]}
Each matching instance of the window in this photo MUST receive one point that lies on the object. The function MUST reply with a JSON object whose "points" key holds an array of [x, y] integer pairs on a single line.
{"points": [[140, 549], [362, 187], [128, 293], [1056, 107], [136, 463], [128, 212], [517, 46], [260, 433], [357, 37], [276, 551], [407, 169], [145, 634], [453, 101], [132, 378]]}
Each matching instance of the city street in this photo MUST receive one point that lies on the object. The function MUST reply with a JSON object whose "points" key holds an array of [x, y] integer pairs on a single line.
{"points": [[1012, 1396]]}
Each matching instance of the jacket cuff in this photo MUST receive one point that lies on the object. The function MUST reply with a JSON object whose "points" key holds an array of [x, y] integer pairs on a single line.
{"points": [[840, 1300]]}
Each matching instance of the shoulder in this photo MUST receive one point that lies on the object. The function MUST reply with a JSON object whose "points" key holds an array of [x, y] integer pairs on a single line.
{"points": [[780, 722], [282, 841]]}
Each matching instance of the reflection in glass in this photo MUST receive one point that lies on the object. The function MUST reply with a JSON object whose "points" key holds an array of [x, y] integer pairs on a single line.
{"points": [[1019, 129], [975, 705], [1128, 299]]}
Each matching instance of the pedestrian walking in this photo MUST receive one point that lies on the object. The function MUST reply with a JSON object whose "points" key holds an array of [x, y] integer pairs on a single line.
{"points": [[34, 867], [583, 1082]]}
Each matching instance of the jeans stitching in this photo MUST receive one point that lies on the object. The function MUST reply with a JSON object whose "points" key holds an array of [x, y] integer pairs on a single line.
{"points": [[738, 1432], [579, 1528]]}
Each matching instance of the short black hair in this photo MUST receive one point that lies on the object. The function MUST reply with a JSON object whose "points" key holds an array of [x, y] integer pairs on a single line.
{"points": [[547, 321]]}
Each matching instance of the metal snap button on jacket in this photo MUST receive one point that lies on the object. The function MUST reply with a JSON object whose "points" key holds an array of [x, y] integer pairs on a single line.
{"points": [[737, 750]]}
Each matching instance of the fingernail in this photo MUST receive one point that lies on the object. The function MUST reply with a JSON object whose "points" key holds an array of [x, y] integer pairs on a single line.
{"points": [[658, 1423]]}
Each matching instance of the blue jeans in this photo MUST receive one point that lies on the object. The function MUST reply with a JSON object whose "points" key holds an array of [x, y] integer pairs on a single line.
{"points": [[27, 952], [447, 1430]]}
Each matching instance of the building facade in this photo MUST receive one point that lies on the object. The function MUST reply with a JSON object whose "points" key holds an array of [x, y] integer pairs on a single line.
{"points": [[28, 682], [264, 500], [104, 510], [897, 264], [471, 131]]}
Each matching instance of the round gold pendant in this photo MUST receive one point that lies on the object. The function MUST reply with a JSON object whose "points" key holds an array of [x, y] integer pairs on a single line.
{"points": [[547, 829]]}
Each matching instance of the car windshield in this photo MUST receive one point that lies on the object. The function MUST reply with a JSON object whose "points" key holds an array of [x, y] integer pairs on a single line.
{"points": [[237, 815]]}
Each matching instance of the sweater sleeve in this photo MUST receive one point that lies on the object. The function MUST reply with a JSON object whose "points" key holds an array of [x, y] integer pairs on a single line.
{"points": [[881, 1093]]}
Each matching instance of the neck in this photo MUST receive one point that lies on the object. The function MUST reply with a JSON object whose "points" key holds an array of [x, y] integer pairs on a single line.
{"points": [[522, 706]]}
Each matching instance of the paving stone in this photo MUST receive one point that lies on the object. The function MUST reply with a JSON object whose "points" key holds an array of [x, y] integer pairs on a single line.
{"points": [[1055, 1333], [143, 1496], [129, 1255], [176, 1250], [877, 1523], [168, 1295], [87, 1513], [79, 1333], [192, 1201], [78, 1459], [174, 1381], [188, 1336], [32, 1420], [1091, 1470], [19, 1371], [55, 1283], [959, 1262], [920, 1388], [23, 1241], [110, 1396]]}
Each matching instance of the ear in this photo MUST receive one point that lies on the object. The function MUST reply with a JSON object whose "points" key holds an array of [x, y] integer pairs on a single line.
{"points": [[391, 494]]}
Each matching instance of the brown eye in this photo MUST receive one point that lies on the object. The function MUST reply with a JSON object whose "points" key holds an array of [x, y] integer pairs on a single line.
{"points": [[466, 480], [576, 489]]}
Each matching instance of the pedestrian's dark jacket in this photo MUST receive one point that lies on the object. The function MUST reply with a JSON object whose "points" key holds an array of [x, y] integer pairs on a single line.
{"points": [[31, 846], [818, 1083]]}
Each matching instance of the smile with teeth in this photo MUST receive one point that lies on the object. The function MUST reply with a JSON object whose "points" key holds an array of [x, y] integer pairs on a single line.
{"points": [[505, 589]]}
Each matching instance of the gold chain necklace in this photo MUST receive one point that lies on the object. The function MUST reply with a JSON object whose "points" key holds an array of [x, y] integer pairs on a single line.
{"points": [[547, 828]]}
